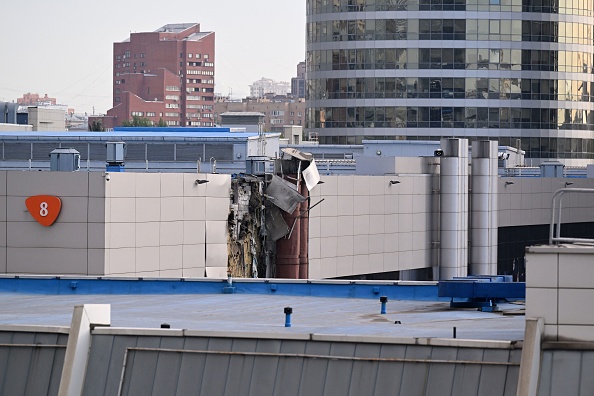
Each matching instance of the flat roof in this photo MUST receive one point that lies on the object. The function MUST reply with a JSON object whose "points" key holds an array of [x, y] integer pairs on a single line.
{"points": [[214, 133], [51, 301]]}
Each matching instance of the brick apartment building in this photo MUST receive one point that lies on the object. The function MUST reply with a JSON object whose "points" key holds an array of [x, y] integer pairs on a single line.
{"points": [[278, 111], [33, 99], [166, 75]]}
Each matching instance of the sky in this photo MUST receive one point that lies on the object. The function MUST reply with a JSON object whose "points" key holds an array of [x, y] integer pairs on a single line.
{"points": [[64, 48]]}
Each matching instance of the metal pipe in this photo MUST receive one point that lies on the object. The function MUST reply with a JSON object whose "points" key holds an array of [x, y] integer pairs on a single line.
{"points": [[327, 357], [383, 300], [288, 312], [556, 220]]}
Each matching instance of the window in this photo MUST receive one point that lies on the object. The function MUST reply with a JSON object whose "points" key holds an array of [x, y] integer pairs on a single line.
{"points": [[142, 54], [277, 113], [171, 88], [198, 56], [172, 97], [205, 56], [181, 54], [151, 114], [171, 114], [189, 55], [208, 64], [137, 113]]}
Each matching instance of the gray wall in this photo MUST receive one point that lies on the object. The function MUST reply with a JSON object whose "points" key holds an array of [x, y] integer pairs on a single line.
{"points": [[265, 364]]}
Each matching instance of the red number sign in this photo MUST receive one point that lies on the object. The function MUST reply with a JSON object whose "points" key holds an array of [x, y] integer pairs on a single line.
{"points": [[44, 208]]}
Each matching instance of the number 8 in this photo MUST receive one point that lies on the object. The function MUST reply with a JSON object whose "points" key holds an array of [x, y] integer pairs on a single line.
{"points": [[43, 209]]}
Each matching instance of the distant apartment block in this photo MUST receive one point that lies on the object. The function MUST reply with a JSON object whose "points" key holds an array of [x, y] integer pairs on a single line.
{"points": [[165, 76], [33, 99], [264, 86], [278, 111], [298, 83]]}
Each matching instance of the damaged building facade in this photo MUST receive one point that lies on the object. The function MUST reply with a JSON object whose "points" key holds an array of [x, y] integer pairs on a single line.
{"points": [[250, 208]]}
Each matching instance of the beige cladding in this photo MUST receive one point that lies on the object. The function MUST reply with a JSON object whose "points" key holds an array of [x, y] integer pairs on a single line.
{"points": [[125, 224], [166, 225]]}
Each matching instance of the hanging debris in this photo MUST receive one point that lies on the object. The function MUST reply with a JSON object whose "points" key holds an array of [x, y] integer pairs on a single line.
{"points": [[269, 218]]}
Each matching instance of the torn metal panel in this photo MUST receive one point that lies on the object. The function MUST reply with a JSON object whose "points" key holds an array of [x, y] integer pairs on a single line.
{"points": [[308, 157], [283, 194], [275, 224], [311, 176]]}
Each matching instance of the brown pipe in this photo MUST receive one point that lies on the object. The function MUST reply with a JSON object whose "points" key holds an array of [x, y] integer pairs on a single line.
{"points": [[304, 245], [288, 247]]}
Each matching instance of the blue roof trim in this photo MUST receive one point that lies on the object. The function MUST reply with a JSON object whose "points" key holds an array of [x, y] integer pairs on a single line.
{"points": [[94, 286], [172, 129], [86, 136]]}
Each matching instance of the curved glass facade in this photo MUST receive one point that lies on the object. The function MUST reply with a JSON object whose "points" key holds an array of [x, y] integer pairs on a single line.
{"points": [[508, 70]]}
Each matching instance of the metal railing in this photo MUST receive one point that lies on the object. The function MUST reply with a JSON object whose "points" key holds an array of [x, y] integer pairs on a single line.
{"points": [[555, 230]]}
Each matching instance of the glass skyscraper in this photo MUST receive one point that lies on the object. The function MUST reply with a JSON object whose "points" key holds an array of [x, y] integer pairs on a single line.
{"points": [[516, 71]]}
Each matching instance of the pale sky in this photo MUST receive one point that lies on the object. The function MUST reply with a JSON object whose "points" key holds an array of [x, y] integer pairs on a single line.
{"points": [[64, 48]]}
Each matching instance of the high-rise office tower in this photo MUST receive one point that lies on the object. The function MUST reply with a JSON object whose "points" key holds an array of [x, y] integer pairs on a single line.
{"points": [[516, 71], [166, 75]]}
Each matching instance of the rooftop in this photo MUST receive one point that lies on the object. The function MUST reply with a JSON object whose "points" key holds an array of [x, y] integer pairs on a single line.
{"points": [[202, 305]]}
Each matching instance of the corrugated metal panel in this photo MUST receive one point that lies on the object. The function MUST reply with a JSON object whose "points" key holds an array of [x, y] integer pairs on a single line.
{"points": [[160, 152], [246, 366], [104, 369], [214, 376], [135, 152], [546, 366], [82, 148], [167, 367], [98, 152], [41, 151], [492, 380], [219, 152], [440, 378], [192, 365], [466, 379], [364, 373], [390, 376], [414, 375], [17, 151], [189, 152], [289, 370], [586, 377], [561, 372], [313, 372], [32, 365]]}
